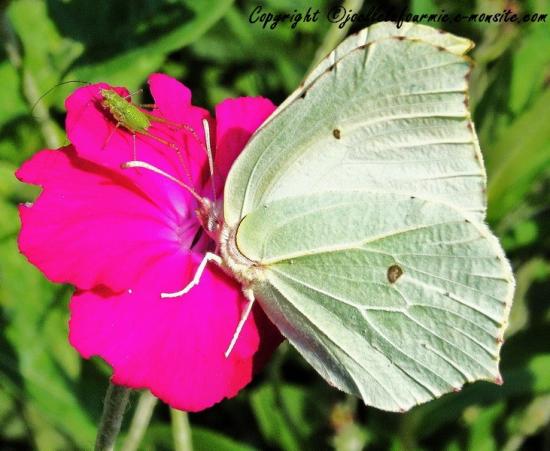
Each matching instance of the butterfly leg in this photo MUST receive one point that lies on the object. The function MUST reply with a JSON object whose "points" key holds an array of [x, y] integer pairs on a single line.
{"points": [[209, 256], [249, 295]]}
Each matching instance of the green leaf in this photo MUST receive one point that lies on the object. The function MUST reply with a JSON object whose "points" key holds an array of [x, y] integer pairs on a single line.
{"points": [[21, 140], [529, 378], [530, 67], [13, 104], [518, 158], [287, 415], [46, 52], [531, 271], [11, 188], [527, 422], [481, 422], [9, 223], [159, 436], [207, 440], [135, 46], [37, 332], [424, 6], [11, 422], [351, 437]]}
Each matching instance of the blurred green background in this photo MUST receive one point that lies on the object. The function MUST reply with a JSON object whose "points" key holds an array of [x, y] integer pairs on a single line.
{"points": [[51, 399]]}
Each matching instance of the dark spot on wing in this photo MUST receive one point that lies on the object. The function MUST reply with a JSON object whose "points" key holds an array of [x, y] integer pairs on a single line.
{"points": [[400, 38], [336, 133], [394, 273]]}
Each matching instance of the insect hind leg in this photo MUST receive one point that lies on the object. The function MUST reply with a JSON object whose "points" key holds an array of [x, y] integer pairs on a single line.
{"points": [[110, 135]]}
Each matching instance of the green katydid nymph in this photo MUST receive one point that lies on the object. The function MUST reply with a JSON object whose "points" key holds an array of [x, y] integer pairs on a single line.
{"points": [[136, 121], [133, 119]]}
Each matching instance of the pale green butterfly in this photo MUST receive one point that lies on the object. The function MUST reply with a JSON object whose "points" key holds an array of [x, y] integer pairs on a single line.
{"points": [[355, 217]]}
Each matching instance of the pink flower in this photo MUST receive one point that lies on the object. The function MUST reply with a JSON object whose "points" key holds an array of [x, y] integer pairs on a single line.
{"points": [[123, 236]]}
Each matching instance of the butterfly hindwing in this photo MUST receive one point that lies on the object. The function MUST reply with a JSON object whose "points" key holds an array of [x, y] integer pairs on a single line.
{"points": [[396, 306]]}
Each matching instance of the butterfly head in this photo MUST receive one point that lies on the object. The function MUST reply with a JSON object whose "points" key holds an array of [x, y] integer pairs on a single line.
{"points": [[209, 217]]}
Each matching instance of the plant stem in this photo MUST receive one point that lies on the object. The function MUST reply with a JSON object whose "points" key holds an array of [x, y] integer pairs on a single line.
{"points": [[140, 421], [114, 406], [181, 430]]}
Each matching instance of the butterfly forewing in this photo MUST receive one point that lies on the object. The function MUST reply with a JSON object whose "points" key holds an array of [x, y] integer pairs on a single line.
{"points": [[389, 116], [450, 42]]}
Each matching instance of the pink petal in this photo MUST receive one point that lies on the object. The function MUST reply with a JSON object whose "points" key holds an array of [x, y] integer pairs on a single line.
{"points": [[237, 120], [92, 226], [171, 97], [174, 347]]}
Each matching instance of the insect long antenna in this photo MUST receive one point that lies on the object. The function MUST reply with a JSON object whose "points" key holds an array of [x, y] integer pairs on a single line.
{"points": [[150, 167], [131, 94], [55, 87], [210, 157], [184, 164]]}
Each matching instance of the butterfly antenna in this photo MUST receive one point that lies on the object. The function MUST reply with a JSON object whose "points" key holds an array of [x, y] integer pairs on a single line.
{"points": [[210, 157], [54, 87], [150, 167]]}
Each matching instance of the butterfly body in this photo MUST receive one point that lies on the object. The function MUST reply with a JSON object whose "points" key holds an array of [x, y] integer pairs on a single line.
{"points": [[245, 270]]}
